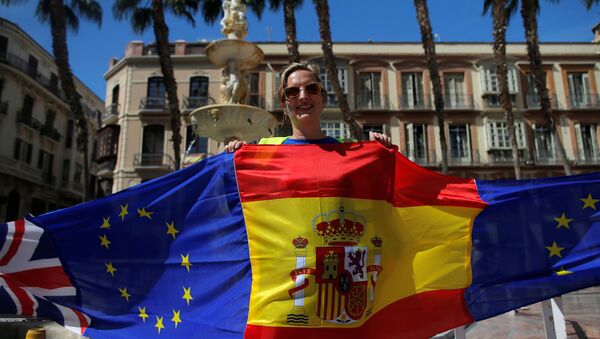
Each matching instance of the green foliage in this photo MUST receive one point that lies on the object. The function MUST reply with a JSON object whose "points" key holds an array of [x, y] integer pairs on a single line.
{"points": [[74, 9]]}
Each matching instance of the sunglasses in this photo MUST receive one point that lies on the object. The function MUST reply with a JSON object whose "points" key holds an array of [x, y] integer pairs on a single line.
{"points": [[310, 89]]}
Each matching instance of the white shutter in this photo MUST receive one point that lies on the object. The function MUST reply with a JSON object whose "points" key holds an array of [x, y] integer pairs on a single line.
{"points": [[410, 141], [580, 149]]}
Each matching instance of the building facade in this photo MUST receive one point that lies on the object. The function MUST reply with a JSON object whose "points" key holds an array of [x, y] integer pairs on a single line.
{"points": [[40, 167], [389, 90]]}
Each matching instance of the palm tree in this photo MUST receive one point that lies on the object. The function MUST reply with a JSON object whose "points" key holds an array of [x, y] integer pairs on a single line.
{"points": [[501, 11], [62, 17], [153, 13], [322, 8], [434, 74], [289, 22]]}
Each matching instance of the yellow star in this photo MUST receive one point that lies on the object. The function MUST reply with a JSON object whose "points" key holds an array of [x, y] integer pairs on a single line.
{"points": [[105, 223], [104, 241], [171, 229], [143, 213], [124, 293], [554, 250], [176, 319], [143, 313], [185, 261], [562, 271], [110, 268], [159, 324], [563, 221], [124, 211], [187, 295], [589, 202]]}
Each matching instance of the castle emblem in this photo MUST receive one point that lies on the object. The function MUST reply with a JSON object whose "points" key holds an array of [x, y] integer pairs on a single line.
{"points": [[344, 280]]}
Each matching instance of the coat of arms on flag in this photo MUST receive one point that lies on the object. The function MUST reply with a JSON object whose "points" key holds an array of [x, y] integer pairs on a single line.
{"points": [[345, 282]]}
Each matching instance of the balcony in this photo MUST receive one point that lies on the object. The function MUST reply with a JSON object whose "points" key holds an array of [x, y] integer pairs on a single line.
{"points": [[423, 158], [256, 100], [504, 157], [110, 114], [29, 121], [458, 101], [91, 113], [583, 101], [493, 101], [153, 104], [153, 161], [3, 108], [415, 102], [191, 103], [105, 167], [372, 103], [533, 101], [51, 133], [23, 66], [461, 158]]}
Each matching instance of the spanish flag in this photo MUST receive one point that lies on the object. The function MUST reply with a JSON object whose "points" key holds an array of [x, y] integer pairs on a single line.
{"points": [[304, 241]]}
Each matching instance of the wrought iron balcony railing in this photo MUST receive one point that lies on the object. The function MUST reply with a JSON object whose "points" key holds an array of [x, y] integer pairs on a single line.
{"points": [[51, 133], [22, 65], [190, 103], [533, 101], [584, 101], [141, 160], [458, 101], [28, 120], [110, 111], [415, 102], [155, 103], [369, 102]]}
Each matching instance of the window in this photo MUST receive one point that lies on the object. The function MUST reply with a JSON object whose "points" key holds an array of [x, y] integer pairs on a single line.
{"points": [[412, 90], [50, 118], [342, 73], [153, 145], [335, 129], [27, 109], [454, 90], [77, 175], [416, 142], [46, 164], [460, 143], [579, 89], [3, 46], [69, 134], [544, 143], [107, 142], [587, 141], [23, 151], [54, 82], [498, 137], [253, 98], [66, 170], [32, 66], [193, 143], [156, 93], [369, 95], [199, 87], [489, 80]]}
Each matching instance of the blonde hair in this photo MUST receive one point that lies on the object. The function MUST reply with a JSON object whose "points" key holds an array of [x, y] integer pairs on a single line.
{"points": [[291, 68]]}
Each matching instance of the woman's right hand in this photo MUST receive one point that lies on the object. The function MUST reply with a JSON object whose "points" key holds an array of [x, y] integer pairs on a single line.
{"points": [[234, 145]]}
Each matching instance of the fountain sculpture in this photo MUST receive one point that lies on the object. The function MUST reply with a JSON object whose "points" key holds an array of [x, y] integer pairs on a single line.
{"points": [[232, 119]]}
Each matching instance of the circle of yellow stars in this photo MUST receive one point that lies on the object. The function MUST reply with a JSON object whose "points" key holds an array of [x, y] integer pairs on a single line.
{"points": [[563, 221], [171, 231]]}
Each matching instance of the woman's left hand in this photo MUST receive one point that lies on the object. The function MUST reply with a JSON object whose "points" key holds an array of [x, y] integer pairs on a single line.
{"points": [[381, 138]]}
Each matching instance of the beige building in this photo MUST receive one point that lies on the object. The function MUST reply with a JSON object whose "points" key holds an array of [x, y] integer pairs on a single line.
{"points": [[40, 168], [388, 87]]}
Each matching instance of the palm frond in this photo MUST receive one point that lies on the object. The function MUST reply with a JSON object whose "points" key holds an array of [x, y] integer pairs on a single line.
{"points": [[71, 19], [256, 6], [141, 19], [211, 11], [42, 11], [88, 9], [124, 8]]}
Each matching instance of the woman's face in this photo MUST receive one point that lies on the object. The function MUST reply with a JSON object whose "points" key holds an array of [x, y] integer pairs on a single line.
{"points": [[304, 110]]}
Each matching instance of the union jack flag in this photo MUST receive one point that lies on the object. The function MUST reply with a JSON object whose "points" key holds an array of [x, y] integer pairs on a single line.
{"points": [[31, 276]]}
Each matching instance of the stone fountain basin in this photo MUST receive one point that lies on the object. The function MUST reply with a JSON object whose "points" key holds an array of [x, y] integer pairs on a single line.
{"points": [[224, 122], [247, 54]]}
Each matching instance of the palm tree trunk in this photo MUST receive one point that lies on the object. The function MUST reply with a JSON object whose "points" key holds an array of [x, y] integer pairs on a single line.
{"points": [[322, 8], [289, 21], [434, 74], [529, 14], [61, 54], [161, 32], [500, 17]]}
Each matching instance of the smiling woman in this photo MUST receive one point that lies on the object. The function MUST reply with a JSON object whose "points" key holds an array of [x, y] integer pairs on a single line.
{"points": [[302, 97]]}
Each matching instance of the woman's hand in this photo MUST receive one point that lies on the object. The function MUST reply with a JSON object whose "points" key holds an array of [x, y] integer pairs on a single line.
{"points": [[381, 138], [234, 145]]}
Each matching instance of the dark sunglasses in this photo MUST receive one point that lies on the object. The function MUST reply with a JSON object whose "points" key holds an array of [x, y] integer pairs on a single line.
{"points": [[311, 89]]}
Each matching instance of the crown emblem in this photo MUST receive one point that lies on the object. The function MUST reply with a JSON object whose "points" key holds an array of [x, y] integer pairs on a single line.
{"points": [[376, 241], [339, 227], [300, 242]]}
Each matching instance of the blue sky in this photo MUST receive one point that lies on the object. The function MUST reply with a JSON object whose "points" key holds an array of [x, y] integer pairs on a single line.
{"points": [[351, 20]]}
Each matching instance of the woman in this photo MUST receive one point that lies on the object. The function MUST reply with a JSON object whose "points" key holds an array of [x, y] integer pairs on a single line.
{"points": [[302, 97]]}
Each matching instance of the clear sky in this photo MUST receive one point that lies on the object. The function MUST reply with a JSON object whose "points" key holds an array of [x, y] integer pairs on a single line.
{"points": [[351, 20]]}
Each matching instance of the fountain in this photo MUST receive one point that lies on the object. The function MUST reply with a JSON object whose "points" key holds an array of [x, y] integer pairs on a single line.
{"points": [[232, 119]]}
